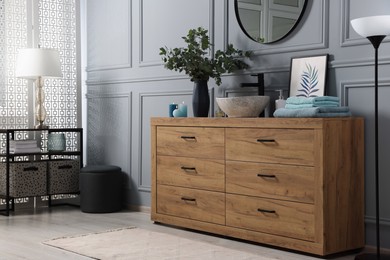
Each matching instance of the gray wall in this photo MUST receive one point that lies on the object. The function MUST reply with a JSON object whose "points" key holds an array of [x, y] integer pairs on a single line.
{"points": [[127, 84]]}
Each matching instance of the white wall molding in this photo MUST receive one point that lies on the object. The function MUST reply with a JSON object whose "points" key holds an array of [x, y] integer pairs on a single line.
{"points": [[127, 146], [226, 23], [136, 80], [183, 77], [345, 26], [108, 95], [350, 63], [252, 70], [346, 86], [152, 63], [359, 62], [109, 67], [100, 44], [141, 97], [382, 221]]}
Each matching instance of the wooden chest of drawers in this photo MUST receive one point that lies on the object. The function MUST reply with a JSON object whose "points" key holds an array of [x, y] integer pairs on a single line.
{"points": [[292, 183]]}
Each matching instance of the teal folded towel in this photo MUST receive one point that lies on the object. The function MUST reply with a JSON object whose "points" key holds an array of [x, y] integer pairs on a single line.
{"points": [[311, 100], [313, 112], [317, 104], [333, 109], [304, 112], [303, 102]]}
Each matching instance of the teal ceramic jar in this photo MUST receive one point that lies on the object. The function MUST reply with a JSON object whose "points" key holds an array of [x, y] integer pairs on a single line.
{"points": [[56, 142]]}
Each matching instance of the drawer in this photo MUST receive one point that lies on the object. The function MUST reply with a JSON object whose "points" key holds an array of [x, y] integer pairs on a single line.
{"points": [[289, 146], [63, 176], [200, 142], [283, 218], [206, 174], [26, 179], [193, 204], [277, 181]]}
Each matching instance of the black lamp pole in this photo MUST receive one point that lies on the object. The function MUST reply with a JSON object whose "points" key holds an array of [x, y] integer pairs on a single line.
{"points": [[376, 41]]}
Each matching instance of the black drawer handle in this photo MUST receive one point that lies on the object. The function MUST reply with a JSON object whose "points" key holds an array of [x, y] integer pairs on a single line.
{"points": [[266, 211], [188, 138], [30, 169], [266, 175], [65, 167], [188, 169], [188, 199], [266, 140]]}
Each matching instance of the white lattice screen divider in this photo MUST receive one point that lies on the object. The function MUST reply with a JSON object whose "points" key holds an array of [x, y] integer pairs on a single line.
{"points": [[13, 92], [57, 28], [13, 36]]}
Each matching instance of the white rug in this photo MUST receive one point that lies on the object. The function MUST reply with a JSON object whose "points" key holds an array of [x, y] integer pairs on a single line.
{"points": [[136, 243]]}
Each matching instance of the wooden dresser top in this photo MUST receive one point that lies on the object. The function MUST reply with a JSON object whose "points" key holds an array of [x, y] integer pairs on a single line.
{"points": [[248, 122]]}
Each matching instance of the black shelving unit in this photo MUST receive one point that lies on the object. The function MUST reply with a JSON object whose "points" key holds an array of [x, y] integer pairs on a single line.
{"points": [[40, 156]]}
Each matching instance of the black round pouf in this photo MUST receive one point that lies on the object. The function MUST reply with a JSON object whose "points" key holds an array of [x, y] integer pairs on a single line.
{"points": [[101, 189]]}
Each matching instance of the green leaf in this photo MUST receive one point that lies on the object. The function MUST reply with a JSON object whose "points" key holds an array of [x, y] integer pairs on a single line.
{"points": [[195, 61]]}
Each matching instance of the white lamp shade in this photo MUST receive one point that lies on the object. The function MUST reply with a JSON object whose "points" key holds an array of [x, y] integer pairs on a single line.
{"points": [[372, 25], [38, 62]]}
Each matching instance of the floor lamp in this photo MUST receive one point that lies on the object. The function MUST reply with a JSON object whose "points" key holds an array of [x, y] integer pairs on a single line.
{"points": [[375, 29], [37, 64]]}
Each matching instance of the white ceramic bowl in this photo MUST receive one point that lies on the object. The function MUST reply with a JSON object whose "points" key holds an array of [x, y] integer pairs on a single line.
{"points": [[246, 106]]}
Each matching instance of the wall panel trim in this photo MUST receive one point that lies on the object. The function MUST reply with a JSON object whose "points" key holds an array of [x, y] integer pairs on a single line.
{"points": [[345, 86], [127, 65], [127, 96], [372, 220], [142, 96], [383, 60], [345, 25], [154, 63]]}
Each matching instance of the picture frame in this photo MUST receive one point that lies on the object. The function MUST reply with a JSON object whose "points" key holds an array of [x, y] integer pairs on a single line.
{"points": [[308, 76]]}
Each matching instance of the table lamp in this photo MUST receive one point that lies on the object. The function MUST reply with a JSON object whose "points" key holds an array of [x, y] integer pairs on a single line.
{"points": [[375, 29], [37, 64]]}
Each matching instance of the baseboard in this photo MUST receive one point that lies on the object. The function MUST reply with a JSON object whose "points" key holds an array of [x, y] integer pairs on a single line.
{"points": [[372, 249], [138, 208]]}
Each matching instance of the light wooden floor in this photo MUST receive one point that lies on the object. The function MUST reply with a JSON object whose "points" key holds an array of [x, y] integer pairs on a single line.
{"points": [[22, 233]]}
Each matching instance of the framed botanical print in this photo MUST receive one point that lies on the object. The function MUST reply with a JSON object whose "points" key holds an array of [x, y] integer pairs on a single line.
{"points": [[308, 76]]}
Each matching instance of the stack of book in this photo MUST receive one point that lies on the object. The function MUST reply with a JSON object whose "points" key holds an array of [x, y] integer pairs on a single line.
{"points": [[24, 146]]}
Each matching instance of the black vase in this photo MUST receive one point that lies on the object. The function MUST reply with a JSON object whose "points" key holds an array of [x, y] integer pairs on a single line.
{"points": [[201, 99]]}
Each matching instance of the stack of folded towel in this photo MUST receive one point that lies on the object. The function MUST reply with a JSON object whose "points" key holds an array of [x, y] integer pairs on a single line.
{"points": [[325, 106]]}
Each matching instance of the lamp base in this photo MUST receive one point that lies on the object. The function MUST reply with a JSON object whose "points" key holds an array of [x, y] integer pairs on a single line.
{"points": [[41, 125], [372, 256]]}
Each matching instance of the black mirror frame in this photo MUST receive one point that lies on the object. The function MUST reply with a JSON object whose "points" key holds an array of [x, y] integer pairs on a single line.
{"points": [[281, 38]]}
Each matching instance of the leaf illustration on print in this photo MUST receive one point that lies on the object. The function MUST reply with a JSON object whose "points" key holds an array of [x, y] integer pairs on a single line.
{"points": [[309, 82]]}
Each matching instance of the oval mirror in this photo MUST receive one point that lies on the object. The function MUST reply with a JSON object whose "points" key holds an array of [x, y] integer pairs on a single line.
{"points": [[267, 21]]}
